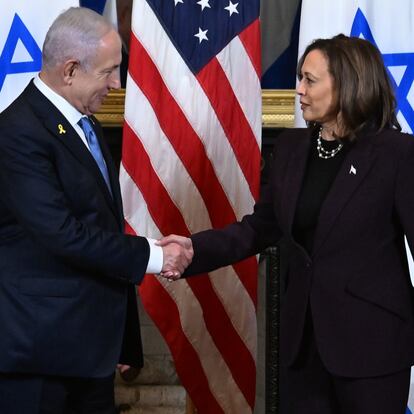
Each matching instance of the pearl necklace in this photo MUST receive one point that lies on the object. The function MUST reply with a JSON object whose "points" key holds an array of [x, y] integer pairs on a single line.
{"points": [[322, 152]]}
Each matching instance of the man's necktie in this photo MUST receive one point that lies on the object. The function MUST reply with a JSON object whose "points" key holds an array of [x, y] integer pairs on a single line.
{"points": [[95, 149]]}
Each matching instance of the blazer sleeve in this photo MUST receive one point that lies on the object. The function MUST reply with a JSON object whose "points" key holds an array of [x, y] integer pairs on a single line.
{"points": [[221, 247], [404, 192], [31, 190]]}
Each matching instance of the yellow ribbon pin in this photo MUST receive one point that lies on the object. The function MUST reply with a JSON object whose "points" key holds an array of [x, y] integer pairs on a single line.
{"points": [[61, 129]]}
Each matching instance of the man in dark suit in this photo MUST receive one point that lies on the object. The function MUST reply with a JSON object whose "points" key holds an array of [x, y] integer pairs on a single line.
{"points": [[68, 309]]}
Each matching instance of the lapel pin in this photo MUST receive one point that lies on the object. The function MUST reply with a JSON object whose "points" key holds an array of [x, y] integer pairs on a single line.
{"points": [[352, 170], [61, 129]]}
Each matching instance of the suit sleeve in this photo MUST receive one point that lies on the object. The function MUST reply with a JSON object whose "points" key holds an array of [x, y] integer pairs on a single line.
{"points": [[30, 189], [221, 247]]}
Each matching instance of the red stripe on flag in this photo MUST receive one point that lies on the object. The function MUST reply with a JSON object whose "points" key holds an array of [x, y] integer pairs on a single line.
{"points": [[250, 37], [138, 165], [129, 229], [247, 272], [167, 319], [169, 220], [238, 131], [244, 374]]}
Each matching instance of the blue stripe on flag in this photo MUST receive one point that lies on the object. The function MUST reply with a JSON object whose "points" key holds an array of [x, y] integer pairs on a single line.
{"points": [[97, 5], [282, 73]]}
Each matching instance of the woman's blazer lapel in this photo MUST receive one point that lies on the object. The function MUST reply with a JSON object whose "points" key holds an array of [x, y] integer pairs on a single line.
{"points": [[353, 171], [300, 144]]}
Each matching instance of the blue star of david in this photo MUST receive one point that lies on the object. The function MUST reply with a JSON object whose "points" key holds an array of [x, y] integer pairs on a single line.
{"points": [[360, 27], [19, 31]]}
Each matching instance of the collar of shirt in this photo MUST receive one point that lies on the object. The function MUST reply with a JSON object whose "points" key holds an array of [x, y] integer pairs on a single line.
{"points": [[68, 111]]}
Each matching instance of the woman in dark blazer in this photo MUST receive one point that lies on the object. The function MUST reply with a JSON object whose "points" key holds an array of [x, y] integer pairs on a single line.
{"points": [[341, 194]]}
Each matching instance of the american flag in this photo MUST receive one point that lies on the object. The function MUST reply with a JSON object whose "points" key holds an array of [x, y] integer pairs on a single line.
{"points": [[191, 160]]}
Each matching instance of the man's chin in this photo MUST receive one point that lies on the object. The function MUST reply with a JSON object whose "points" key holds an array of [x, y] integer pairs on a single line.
{"points": [[97, 105], [93, 109]]}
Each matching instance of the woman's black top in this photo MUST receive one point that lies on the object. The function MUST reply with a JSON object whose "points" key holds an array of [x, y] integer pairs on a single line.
{"points": [[319, 176]]}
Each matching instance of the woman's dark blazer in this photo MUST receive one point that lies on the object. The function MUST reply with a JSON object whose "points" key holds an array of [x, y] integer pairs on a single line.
{"points": [[356, 278]]}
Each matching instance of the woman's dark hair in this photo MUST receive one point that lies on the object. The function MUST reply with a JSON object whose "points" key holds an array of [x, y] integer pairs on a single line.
{"points": [[365, 97]]}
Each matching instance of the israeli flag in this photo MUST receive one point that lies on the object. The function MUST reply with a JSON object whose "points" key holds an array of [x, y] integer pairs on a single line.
{"points": [[23, 27], [105, 7], [389, 25]]}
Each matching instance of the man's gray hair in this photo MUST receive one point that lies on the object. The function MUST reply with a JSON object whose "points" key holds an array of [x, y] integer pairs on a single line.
{"points": [[75, 34]]}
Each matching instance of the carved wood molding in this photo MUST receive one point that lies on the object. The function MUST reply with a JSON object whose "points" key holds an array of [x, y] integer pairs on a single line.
{"points": [[277, 111], [278, 108], [111, 113]]}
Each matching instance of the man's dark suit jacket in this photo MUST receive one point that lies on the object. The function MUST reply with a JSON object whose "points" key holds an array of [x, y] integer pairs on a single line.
{"points": [[356, 279], [68, 304]]}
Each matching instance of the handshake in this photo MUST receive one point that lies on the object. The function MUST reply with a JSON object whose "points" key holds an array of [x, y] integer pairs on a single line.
{"points": [[178, 253]]}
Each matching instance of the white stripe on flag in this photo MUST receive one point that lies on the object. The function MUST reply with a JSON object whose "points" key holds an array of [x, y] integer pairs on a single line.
{"points": [[135, 208], [246, 85], [238, 304]]}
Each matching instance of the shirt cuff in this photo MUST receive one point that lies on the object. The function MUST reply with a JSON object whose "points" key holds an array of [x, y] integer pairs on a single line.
{"points": [[156, 258]]}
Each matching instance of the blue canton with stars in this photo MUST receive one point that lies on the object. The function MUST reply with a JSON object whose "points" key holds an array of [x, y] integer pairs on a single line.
{"points": [[200, 29], [360, 27]]}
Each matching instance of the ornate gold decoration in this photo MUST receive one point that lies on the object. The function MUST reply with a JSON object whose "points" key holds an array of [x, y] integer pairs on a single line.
{"points": [[111, 113], [278, 108]]}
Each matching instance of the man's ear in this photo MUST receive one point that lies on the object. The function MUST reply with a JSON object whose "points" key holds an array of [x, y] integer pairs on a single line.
{"points": [[70, 68]]}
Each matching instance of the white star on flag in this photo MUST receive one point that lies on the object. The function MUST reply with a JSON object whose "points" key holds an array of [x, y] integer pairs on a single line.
{"points": [[202, 35], [178, 1], [204, 4], [232, 8]]}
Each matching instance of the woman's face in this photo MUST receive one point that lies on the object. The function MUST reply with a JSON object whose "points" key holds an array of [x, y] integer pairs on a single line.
{"points": [[316, 90]]}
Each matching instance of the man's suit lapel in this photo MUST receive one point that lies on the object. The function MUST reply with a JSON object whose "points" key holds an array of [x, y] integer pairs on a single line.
{"points": [[353, 171], [112, 170], [58, 125]]}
